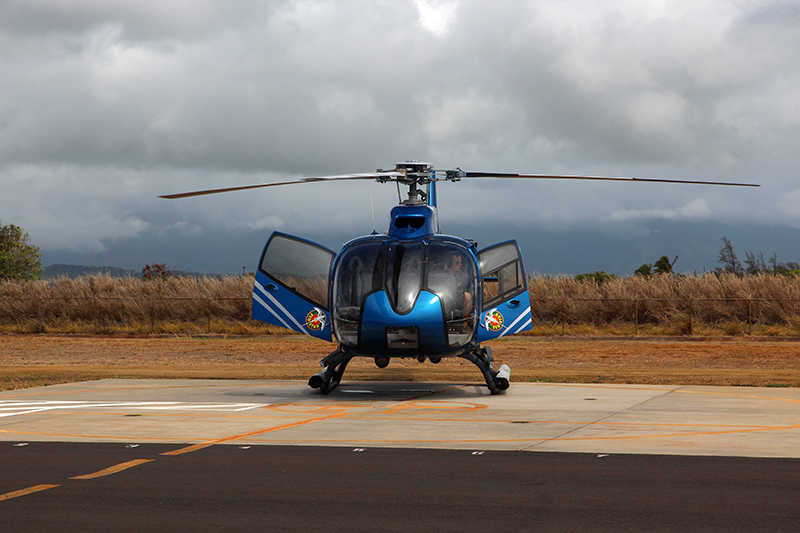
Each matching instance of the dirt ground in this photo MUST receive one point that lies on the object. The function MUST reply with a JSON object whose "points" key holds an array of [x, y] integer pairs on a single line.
{"points": [[36, 360]]}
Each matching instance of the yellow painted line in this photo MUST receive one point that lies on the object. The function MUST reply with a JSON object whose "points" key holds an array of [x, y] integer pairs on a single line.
{"points": [[23, 492], [114, 469], [200, 446]]}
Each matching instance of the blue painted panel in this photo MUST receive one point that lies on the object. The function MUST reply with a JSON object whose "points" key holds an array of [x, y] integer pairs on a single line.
{"points": [[426, 315], [507, 318], [275, 304]]}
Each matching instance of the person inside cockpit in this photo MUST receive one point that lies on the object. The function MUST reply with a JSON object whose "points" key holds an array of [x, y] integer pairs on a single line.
{"points": [[463, 284]]}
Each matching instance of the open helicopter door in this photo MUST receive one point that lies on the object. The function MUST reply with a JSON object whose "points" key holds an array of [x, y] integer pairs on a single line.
{"points": [[291, 287], [506, 306]]}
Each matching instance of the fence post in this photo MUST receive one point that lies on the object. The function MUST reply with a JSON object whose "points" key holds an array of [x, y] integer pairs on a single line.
{"points": [[208, 314], [635, 316], [750, 315], [691, 316]]}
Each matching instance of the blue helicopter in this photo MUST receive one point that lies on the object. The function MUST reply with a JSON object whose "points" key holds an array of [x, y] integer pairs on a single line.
{"points": [[409, 293]]}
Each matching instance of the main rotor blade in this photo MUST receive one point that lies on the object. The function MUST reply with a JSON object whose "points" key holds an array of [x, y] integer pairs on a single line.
{"points": [[373, 176], [599, 178]]}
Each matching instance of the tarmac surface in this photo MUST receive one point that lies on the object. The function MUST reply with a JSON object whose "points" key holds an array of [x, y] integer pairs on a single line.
{"points": [[208, 455], [629, 419]]}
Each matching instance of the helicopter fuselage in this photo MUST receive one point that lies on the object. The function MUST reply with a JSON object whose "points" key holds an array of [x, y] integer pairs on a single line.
{"points": [[411, 292], [407, 293]]}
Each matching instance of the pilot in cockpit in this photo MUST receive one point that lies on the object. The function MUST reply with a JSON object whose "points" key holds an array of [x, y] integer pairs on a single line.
{"points": [[463, 285]]}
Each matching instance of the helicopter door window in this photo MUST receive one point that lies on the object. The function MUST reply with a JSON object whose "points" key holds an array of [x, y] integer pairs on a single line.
{"points": [[502, 273], [301, 266], [404, 265]]}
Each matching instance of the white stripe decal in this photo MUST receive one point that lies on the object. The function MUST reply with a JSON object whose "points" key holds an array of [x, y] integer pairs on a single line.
{"points": [[282, 308], [520, 317], [263, 304], [524, 326], [525, 313], [278, 304], [267, 307]]}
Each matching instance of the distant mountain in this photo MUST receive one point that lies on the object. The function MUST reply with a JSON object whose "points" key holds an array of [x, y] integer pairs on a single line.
{"points": [[56, 271], [617, 249], [82, 271], [697, 245]]}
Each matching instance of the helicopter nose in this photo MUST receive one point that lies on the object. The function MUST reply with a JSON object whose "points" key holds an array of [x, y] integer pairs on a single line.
{"points": [[383, 331]]}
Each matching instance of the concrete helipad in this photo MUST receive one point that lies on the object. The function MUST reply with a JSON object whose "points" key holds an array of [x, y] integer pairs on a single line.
{"points": [[725, 421]]}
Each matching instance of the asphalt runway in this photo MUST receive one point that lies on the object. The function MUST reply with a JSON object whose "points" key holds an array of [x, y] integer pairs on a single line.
{"points": [[208, 455]]}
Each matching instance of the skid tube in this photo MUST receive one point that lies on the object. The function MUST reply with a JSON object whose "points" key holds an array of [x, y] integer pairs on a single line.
{"points": [[336, 362], [333, 366], [496, 380]]}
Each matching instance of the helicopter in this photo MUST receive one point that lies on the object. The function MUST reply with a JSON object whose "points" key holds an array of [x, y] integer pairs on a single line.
{"points": [[411, 292]]}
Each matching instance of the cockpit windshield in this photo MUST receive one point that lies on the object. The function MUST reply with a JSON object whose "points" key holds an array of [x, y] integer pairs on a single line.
{"points": [[403, 269], [404, 274]]}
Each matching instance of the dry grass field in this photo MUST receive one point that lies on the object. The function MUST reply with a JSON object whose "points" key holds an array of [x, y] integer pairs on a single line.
{"points": [[705, 305], [36, 360], [706, 329]]}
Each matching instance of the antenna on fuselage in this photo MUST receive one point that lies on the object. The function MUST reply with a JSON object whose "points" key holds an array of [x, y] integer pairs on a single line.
{"points": [[372, 208]]}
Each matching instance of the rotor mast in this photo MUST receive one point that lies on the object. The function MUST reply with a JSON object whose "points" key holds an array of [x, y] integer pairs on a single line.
{"points": [[413, 174]]}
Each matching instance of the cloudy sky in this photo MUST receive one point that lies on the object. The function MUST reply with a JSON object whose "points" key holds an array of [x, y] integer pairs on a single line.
{"points": [[106, 104]]}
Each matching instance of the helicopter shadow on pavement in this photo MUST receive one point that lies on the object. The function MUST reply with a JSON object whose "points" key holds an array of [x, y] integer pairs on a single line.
{"points": [[367, 391]]}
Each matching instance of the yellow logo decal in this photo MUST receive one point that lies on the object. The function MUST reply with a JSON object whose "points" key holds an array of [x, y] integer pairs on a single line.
{"points": [[315, 320], [494, 320]]}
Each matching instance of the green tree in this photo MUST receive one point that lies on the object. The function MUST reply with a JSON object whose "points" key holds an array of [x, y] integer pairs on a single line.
{"points": [[755, 264], [645, 271], [19, 260], [663, 265], [727, 258]]}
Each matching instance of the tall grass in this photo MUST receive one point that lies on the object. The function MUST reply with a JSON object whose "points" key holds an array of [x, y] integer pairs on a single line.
{"points": [[762, 304], [102, 304], [765, 304]]}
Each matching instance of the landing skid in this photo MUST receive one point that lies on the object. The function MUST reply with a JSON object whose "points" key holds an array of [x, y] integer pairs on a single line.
{"points": [[335, 364], [496, 380]]}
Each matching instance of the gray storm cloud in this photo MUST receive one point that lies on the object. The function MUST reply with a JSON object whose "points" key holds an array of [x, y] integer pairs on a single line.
{"points": [[104, 105]]}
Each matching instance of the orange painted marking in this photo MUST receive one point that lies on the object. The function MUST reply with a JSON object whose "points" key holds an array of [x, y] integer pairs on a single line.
{"points": [[206, 444], [23, 492], [114, 469]]}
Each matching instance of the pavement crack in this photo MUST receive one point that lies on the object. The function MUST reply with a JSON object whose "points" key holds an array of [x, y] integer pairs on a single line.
{"points": [[602, 419]]}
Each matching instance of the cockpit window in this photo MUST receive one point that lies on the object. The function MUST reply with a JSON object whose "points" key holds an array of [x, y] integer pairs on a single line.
{"points": [[451, 276], [357, 274]]}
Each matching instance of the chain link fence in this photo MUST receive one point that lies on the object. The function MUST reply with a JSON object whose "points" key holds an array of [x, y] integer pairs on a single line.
{"points": [[165, 314]]}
